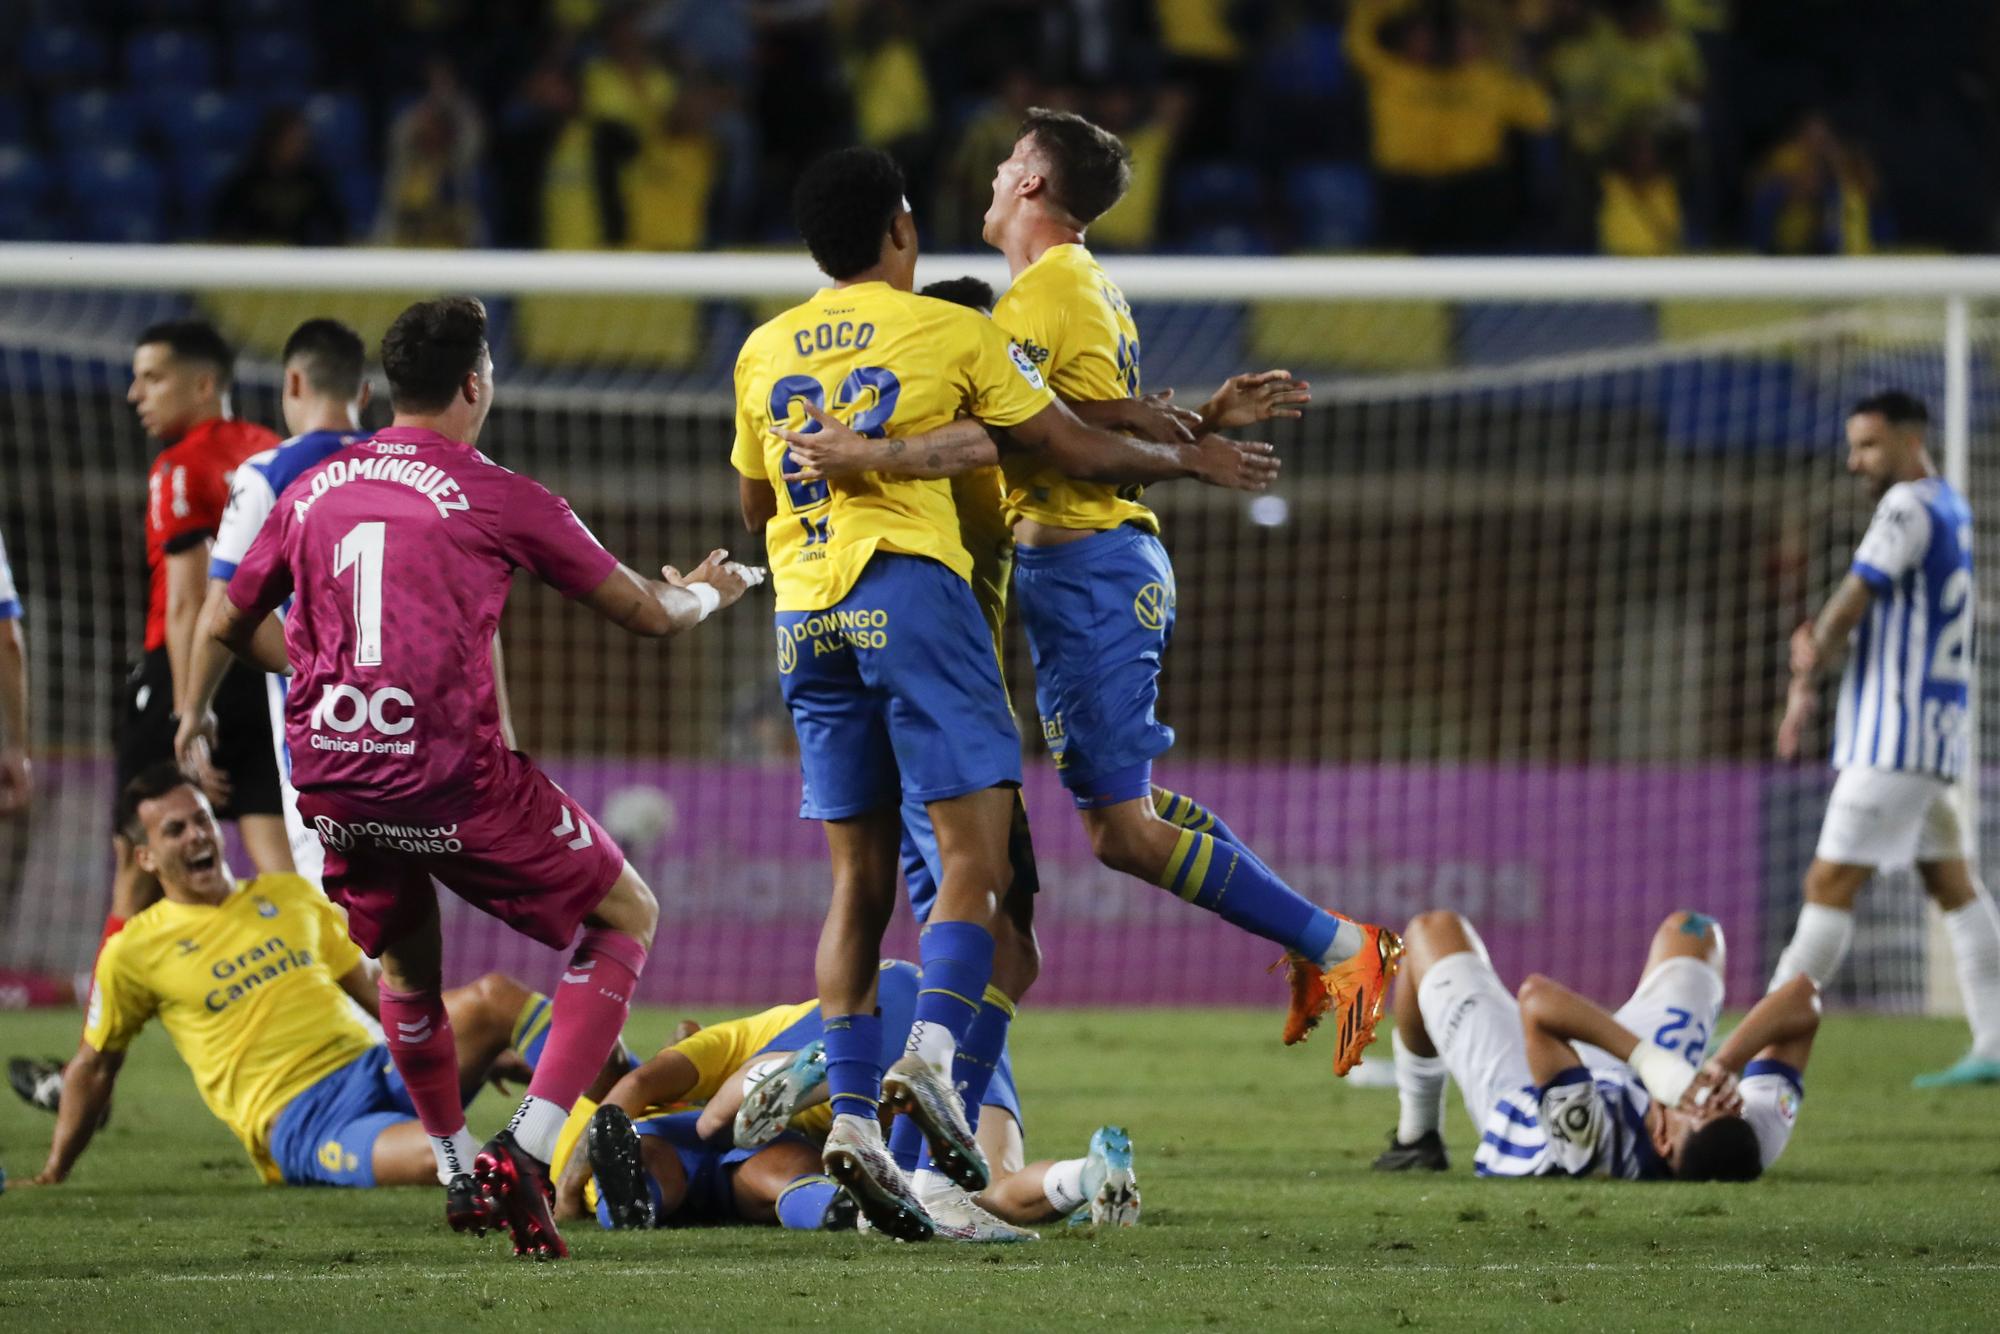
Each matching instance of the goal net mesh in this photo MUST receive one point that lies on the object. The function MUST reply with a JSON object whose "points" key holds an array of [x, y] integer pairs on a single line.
{"points": [[1508, 638]]}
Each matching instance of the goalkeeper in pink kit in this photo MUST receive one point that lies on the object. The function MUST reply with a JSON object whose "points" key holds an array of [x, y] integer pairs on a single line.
{"points": [[397, 554]]}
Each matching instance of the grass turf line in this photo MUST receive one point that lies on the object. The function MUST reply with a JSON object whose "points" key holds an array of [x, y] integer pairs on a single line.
{"points": [[1260, 1210]]}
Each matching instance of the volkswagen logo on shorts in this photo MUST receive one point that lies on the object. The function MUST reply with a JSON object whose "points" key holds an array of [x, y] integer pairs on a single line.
{"points": [[333, 833], [788, 652]]}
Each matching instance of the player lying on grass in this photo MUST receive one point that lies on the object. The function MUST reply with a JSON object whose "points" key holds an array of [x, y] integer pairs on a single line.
{"points": [[1559, 1085], [760, 1082], [252, 979]]}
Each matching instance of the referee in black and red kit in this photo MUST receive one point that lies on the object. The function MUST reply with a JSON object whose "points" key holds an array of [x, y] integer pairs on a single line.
{"points": [[181, 375]]}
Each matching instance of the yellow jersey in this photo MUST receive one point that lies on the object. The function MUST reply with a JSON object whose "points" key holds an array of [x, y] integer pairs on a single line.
{"points": [[248, 990], [881, 359], [989, 540], [1076, 325]]}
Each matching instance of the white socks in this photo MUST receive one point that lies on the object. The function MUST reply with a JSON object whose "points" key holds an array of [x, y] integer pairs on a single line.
{"points": [[1975, 947], [1818, 945], [1063, 1185], [1420, 1084], [537, 1126], [454, 1154], [1347, 942], [933, 1042]]}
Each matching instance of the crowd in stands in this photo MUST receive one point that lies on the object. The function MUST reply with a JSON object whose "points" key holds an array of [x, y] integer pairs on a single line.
{"points": [[1630, 127]]}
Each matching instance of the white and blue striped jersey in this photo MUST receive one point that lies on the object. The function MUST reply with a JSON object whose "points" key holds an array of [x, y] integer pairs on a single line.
{"points": [[10, 597], [254, 490], [1902, 703], [1587, 1122]]}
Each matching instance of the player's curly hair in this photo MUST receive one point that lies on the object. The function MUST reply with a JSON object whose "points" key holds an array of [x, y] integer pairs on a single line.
{"points": [[975, 293], [430, 349], [154, 781], [1725, 1149], [196, 341], [332, 356], [843, 205], [1089, 167]]}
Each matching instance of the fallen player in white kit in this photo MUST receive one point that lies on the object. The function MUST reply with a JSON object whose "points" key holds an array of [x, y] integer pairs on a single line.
{"points": [[1559, 1085]]}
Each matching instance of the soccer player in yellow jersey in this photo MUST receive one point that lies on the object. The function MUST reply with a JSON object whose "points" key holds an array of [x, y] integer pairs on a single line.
{"points": [[884, 661], [1096, 592], [252, 980]]}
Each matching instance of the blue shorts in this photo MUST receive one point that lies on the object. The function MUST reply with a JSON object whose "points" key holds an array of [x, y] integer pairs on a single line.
{"points": [[326, 1136], [1099, 613], [710, 1168], [896, 692]]}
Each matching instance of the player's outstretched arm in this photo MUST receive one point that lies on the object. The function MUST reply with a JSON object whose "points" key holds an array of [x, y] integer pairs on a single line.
{"points": [[674, 602], [1091, 454], [1818, 649], [1553, 1017], [1252, 397], [86, 1092], [833, 449]]}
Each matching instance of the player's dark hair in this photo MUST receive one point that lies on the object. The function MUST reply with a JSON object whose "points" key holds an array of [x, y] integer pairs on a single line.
{"points": [[1089, 167], [968, 291], [331, 356], [430, 349], [1895, 407], [196, 341], [843, 205], [153, 781], [1725, 1149]]}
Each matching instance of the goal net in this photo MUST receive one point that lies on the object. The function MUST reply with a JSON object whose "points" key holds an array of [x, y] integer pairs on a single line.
{"points": [[1509, 637]]}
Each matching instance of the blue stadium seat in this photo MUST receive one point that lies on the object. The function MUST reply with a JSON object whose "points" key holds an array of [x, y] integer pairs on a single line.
{"points": [[242, 14], [1217, 191], [93, 118], [360, 190], [169, 58], [271, 57], [114, 194], [55, 54], [24, 194], [1497, 333], [13, 119], [206, 120], [1333, 205], [197, 175], [339, 124], [1226, 238]]}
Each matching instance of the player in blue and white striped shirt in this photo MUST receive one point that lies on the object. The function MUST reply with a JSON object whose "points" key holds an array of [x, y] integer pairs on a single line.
{"points": [[13, 694], [1559, 1086], [1900, 630]]}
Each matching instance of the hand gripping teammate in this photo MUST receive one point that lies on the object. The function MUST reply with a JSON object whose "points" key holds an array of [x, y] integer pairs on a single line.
{"points": [[398, 554]]}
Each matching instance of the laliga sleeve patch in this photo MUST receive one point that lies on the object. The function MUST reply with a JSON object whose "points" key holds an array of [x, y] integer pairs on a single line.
{"points": [[1025, 365]]}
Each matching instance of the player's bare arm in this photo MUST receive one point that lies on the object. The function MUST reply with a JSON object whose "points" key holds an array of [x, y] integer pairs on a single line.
{"points": [[187, 585], [14, 772], [758, 501], [1252, 397], [1082, 451], [87, 1084], [252, 640], [1780, 1027], [1818, 649], [208, 663], [674, 602], [1553, 1018]]}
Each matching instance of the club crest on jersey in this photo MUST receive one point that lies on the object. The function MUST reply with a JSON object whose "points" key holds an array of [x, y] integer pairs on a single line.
{"points": [[1025, 364], [265, 908]]}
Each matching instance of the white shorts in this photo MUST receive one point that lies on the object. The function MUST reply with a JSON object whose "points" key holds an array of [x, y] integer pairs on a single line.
{"points": [[1676, 1005], [1475, 1024], [1885, 819]]}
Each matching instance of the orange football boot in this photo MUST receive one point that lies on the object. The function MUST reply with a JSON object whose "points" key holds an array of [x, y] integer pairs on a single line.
{"points": [[1358, 985]]}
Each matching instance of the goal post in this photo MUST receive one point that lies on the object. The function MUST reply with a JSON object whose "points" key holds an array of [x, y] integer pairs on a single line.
{"points": [[1507, 637]]}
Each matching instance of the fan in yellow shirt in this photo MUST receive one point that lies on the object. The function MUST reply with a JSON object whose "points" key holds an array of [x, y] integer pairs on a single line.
{"points": [[257, 985], [883, 658]]}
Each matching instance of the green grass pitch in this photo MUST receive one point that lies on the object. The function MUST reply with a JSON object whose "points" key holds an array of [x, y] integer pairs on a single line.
{"points": [[1260, 1213]]}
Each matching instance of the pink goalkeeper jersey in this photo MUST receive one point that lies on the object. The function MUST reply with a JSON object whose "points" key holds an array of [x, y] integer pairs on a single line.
{"points": [[398, 553]]}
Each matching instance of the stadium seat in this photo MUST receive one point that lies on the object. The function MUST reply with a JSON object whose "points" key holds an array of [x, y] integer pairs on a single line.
{"points": [[1210, 192], [1226, 238], [13, 119], [169, 58], [246, 14], [339, 123], [52, 54], [24, 193], [198, 174], [114, 194], [625, 330], [271, 56], [360, 190], [1351, 335], [94, 118], [211, 120], [1333, 205], [1494, 333]]}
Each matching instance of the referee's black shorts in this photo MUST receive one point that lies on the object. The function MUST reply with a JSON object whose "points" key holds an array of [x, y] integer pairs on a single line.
{"points": [[143, 732]]}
